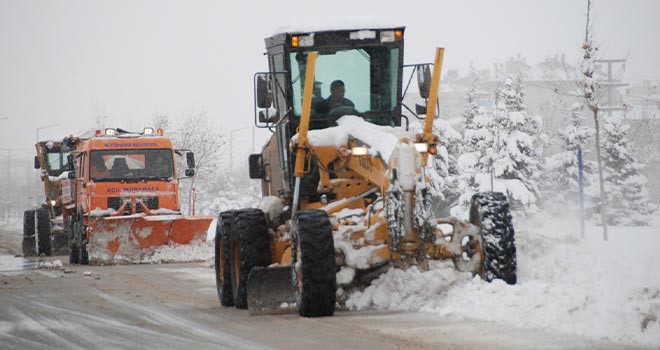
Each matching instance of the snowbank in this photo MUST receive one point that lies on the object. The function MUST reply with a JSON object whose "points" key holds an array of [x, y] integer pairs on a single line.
{"points": [[602, 290]]}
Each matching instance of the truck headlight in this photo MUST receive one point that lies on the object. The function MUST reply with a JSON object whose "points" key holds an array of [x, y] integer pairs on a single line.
{"points": [[52, 203], [422, 147]]}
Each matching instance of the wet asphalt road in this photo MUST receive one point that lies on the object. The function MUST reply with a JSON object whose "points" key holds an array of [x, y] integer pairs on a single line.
{"points": [[175, 306]]}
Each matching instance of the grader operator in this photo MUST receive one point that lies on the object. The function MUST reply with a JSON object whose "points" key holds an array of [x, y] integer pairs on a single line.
{"points": [[345, 191]]}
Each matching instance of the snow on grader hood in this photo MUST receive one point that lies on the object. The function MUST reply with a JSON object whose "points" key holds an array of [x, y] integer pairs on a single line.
{"points": [[122, 198], [346, 200]]}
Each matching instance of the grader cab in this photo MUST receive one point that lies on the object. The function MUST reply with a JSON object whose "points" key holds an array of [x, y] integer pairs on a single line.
{"points": [[345, 194]]}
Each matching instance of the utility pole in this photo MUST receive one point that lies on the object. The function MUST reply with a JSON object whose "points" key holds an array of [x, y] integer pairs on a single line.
{"points": [[611, 84]]}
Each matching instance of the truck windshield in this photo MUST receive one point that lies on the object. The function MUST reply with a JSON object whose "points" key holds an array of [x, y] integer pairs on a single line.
{"points": [[131, 165], [369, 76]]}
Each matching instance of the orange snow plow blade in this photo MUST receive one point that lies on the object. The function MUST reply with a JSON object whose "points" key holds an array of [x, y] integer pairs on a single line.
{"points": [[132, 238]]}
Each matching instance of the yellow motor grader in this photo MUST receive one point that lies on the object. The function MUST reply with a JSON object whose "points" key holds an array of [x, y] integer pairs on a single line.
{"points": [[43, 228], [345, 193]]}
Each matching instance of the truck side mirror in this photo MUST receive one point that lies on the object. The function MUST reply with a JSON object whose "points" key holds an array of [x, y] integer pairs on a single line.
{"points": [[190, 172], [256, 166], [424, 80], [264, 95], [36, 162], [190, 159]]}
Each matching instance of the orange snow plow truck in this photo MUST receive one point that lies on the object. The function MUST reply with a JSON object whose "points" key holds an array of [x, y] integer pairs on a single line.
{"points": [[121, 201]]}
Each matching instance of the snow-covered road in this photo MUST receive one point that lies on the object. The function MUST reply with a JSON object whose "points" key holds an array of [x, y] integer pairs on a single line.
{"points": [[176, 306]]}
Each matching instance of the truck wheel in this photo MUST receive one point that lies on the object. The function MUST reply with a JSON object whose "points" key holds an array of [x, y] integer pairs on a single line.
{"points": [[490, 211], [249, 247], [315, 267], [82, 233], [222, 264], [60, 242], [74, 253], [29, 241], [44, 237]]}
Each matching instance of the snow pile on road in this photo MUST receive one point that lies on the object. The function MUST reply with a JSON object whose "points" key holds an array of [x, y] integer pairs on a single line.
{"points": [[586, 287], [50, 265], [194, 251]]}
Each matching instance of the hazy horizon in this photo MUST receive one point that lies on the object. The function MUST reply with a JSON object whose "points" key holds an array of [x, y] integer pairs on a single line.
{"points": [[66, 61]]}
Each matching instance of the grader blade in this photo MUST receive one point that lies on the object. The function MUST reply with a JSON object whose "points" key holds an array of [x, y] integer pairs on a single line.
{"points": [[270, 291], [130, 239]]}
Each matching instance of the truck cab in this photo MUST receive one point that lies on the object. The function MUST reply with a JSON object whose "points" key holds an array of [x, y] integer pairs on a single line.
{"points": [[125, 174]]}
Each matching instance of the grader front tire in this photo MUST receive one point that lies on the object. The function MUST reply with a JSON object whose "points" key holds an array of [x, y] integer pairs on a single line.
{"points": [[29, 239], [316, 278]]}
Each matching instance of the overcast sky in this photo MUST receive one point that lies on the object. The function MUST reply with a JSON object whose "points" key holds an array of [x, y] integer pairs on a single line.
{"points": [[65, 61]]}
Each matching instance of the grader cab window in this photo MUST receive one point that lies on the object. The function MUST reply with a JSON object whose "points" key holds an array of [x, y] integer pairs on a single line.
{"points": [[57, 162], [369, 76]]}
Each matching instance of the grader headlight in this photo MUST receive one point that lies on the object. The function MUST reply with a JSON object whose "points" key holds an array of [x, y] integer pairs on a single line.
{"points": [[302, 41], [110, 132], [359, 151], [148, 131]]}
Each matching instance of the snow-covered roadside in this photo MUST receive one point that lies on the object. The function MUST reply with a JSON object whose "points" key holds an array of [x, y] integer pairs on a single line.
{"points": [[601, 290]]}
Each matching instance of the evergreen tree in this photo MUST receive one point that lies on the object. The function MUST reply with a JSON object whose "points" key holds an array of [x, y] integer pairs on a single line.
{"points": [[515, 157], [626, 187], [561, 176], [443, 168]]}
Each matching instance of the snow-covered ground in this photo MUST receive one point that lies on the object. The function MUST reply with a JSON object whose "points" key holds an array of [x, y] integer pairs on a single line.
{"points": [[588, 287]]}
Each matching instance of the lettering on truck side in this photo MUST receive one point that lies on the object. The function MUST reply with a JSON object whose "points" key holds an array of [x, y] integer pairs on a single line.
{"points": [[128, 189], [130, 145]]}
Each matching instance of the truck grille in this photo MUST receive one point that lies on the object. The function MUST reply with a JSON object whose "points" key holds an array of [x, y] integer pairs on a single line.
{"points": [[116, 202]]}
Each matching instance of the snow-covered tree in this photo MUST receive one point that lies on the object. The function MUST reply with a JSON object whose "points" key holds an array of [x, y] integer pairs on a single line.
{"points": [[443, 168], [196, 132], [561, 175], [476, 143], [626, 187], [514, 157]]}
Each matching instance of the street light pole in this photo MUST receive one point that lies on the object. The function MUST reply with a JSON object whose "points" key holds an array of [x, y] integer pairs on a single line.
{"points": [[8, 179], [44, 127], [231, 147]]}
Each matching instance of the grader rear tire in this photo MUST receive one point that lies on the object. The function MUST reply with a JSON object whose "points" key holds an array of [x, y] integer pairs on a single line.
{"points": [[29, 243], [316, 278], [249, 247], [490, 211], [222, 261], [44, 234]]}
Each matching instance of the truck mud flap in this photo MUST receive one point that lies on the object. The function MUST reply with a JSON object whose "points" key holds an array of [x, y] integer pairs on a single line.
{"points": [[270, 291], [130, 239]]}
